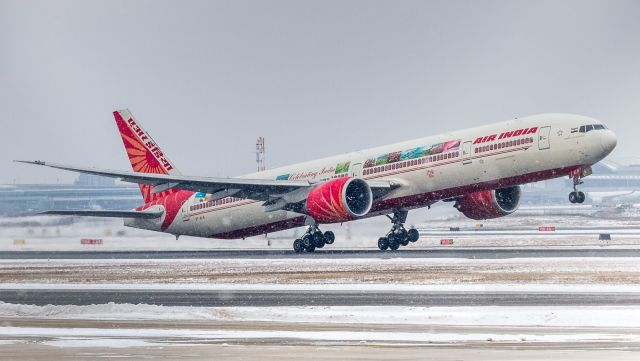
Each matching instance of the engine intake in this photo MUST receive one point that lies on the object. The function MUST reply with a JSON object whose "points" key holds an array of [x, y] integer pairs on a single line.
{"points": [[489, 204], [339, 200]]}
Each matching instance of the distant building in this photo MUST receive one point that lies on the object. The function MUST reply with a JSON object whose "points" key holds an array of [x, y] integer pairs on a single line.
{"points": [[94, 180], [31, 198]]}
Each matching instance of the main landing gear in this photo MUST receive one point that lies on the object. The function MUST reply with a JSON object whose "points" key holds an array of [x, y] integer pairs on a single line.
{"points": [[576, 196], [398, 236], [312, 239]]}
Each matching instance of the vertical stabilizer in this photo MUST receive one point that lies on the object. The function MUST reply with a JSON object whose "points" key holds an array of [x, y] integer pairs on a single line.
{"points": [[143, 152]]}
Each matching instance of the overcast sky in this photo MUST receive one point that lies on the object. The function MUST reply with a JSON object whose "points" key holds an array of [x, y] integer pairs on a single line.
{"points": [[315, 78]]}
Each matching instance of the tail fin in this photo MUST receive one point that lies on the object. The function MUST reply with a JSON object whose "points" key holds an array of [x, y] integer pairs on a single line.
{"points": [[144, 153]]}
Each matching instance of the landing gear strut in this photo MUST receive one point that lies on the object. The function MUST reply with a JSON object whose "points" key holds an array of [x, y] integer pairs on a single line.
{"points": [[313, 238], [576, 196], [398, 236]]}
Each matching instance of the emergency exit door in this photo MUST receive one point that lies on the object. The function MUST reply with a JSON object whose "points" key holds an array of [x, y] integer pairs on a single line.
{"points": [[466, 152], [543, 138]]}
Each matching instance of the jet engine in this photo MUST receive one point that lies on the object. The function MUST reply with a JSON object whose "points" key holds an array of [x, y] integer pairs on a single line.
{"points": [[489, 204], [339, 200]]}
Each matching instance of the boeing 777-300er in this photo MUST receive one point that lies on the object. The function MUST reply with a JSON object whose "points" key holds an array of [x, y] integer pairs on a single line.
{"points": [[480, 170]]}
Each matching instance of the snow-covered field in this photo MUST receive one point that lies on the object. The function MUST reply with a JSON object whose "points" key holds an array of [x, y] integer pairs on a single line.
{"points": [[523, 325], [550, 316], [387, 272]]}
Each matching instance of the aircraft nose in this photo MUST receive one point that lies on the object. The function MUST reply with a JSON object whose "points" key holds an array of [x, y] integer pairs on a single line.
{"points": [[608, 141]]}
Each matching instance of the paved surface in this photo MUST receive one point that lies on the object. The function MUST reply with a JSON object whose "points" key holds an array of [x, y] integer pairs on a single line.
{"points": [[213, 298], [471, 253]]}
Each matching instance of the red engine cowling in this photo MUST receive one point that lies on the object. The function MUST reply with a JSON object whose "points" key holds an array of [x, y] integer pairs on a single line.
{"points": [[489, 204], [339, 200]]}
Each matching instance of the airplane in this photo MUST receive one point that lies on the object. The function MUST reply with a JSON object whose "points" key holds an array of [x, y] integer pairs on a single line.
{"points": [[480, 170]]}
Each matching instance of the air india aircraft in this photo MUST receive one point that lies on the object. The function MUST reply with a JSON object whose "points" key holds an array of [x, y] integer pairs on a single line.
{"points": [[479, 169]]}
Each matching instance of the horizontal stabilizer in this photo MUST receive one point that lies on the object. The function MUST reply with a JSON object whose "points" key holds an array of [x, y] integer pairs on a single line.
{"points": [[112, 214]]}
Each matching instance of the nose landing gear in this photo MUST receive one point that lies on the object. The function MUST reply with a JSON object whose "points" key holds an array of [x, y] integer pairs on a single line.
{"points": [[576, 196], [398, 236], [312, 239]]}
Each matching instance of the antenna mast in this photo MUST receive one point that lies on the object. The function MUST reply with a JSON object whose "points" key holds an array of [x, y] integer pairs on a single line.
{"points": [[260, 154]]}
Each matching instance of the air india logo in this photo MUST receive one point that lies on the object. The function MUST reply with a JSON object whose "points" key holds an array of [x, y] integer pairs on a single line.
{"points": [[145, 155]]}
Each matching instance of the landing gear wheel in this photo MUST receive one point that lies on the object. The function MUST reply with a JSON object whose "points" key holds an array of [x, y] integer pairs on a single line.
{"points": [[581, 197], [402, 237], [413, 235], [383, 243], [307, 242], [329, 237], [398, 235], [573, 197], [298, 247], [310, 249], [318, 240]]}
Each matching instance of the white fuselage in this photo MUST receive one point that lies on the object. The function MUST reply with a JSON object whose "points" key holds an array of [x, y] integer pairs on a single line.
{"points": [[428, 169]]}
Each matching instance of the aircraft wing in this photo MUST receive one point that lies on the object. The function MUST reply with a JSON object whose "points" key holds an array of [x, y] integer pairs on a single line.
{"points": [[114, 214], [260, 189]]}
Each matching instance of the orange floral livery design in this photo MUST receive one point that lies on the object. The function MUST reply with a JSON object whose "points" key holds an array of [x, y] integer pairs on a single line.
{"points": [[144, 154]]}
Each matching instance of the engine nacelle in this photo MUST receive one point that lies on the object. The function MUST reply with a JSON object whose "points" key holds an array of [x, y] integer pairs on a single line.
{"points": [[339, 200], [489, 204]]}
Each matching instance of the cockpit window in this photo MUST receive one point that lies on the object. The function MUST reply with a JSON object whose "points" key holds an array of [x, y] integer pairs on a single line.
{"points": [[590, 127]]}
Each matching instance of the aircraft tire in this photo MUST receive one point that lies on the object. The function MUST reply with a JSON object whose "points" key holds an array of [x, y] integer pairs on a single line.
{"points": [[318, 240], [307, 241], [413, 235], [329, 237], [383, 243], [298, 247]]}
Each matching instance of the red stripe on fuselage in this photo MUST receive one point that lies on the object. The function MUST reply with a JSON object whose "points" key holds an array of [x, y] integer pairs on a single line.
{"points": [[262, 229]]}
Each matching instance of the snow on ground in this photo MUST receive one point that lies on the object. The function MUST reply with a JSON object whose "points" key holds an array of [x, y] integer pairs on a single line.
{"points": [[100, 337], [494, 324], [391, 272], [548, 316]]}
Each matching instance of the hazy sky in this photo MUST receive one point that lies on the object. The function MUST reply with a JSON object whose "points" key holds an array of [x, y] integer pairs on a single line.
{"points": [[314, 77]]}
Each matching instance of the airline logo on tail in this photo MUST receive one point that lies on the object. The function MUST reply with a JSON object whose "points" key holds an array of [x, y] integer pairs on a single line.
{"points": [[144, 153], [150, 145]]}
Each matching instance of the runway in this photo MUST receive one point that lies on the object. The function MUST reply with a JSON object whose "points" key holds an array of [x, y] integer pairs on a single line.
{"points": [[468, 253], [272, 298]]}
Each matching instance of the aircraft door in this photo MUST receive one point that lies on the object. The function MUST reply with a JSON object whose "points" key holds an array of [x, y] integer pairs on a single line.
{"points": [[543, 138], [466, 152], [356, 170]]}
